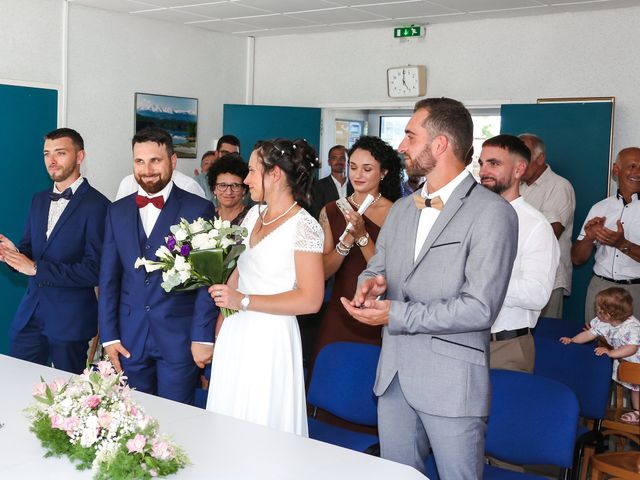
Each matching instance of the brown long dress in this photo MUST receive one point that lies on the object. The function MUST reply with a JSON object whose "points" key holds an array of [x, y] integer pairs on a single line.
{"points": [[337, 325]]}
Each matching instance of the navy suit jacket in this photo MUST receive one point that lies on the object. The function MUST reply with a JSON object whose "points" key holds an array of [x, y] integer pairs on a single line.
{"points": [[325, 191], [132, 303], [62, 293]]}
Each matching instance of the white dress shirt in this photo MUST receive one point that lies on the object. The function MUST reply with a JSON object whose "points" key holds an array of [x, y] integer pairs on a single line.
{"points": [[429, 215], [342, 188], [128, 185], [57, 208], [533, 273], [149, 213], [554, 196], [609, 261]]}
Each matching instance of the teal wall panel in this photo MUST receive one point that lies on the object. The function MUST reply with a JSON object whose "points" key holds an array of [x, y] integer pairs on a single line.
{"points": [[26, 115], [577, 138], [251, 123]]}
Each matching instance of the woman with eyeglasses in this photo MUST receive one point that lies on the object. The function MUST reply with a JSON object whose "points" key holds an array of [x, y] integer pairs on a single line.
{"points": [[226, 177]]}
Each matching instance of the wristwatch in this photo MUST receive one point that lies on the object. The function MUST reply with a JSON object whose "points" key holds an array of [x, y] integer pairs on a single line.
{"points": [[244, 303], [363, 241]]}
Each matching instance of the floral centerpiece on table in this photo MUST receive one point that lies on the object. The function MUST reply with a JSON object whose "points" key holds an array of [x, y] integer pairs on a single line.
{"points": [[197, 254], [93, 420]]}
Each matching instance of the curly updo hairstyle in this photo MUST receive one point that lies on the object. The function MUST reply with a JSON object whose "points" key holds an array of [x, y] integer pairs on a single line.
{"points": [[388, 159], [297, 160], [231, 163]]}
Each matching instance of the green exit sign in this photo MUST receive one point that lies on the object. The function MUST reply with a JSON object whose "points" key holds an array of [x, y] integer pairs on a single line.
{"points": [[409, 31]]}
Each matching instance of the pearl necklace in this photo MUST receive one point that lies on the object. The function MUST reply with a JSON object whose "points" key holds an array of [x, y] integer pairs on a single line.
{"points": [[358, 205], [279, 216]]}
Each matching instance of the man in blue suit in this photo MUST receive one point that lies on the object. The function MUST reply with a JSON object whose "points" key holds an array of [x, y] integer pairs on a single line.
{"points": [[159, 339], [60, 253]]}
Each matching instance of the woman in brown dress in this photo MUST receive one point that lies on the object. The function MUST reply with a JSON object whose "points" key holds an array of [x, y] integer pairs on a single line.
{"points": [[374, 168]]}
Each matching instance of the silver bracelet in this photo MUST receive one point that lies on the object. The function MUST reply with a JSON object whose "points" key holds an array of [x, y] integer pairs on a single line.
{"points": [[342, 249]]}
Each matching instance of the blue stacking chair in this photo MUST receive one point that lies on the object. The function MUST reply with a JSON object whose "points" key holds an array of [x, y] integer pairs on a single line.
{"points": [[589, 376], [342, 384], [532, 421], [556, 328]]}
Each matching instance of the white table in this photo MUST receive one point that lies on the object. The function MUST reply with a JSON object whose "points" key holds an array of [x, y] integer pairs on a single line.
{"points": [[219, 447]]}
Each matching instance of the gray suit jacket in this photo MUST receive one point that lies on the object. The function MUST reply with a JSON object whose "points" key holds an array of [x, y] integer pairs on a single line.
{"points": [[443, 304]]}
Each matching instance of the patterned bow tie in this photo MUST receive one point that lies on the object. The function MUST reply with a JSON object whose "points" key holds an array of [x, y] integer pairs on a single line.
{"points": [[142, 201], [67, 194], [435, 202]]}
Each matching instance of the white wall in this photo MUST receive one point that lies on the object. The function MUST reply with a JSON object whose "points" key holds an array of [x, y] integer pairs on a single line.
{"points": [[30, 39], [514, 59], [110, 57], [113, 55]]}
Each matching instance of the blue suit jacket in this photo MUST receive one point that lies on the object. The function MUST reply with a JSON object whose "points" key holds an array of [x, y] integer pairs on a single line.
{"points": [[132, 303], [62, 294]]}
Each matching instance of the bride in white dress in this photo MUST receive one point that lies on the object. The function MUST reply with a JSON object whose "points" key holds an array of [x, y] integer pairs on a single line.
{"points": [[256, 372]]}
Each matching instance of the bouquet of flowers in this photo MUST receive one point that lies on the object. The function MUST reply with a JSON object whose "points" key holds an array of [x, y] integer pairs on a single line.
{"points": [[197, 254], [92, 419]]}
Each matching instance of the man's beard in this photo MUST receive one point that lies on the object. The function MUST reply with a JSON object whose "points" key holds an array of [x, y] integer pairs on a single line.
{"points": [[423, 164], [496, 187], [152, 187]]}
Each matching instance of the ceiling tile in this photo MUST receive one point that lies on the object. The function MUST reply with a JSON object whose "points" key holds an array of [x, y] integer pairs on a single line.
{"points": [[224, 26], [336, 15], [515, 12], [178, 3], [224, 10], [413, 8], [114, 5], [575, 6], [283, 6], [170, 15], [275, 21], [485, 5]]}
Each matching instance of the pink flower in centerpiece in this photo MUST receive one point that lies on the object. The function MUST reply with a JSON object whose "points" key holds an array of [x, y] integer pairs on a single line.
{"points": [[104, 419], [69, 424], [143, 422], [92, 401], [153, 473], [57, 384], [105, 368], [133, 410], [137, 443], [39, 390], [56, 421], [161, 450]]}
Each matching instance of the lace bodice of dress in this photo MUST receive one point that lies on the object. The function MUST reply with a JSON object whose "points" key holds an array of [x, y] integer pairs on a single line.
{"points": [[268, 267]]}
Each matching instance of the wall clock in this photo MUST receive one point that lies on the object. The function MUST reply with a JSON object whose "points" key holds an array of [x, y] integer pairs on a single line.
{"points": [[407, 81]]}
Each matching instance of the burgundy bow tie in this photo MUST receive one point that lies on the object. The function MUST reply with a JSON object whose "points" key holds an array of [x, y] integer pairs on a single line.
{"points": [[142, 201]]}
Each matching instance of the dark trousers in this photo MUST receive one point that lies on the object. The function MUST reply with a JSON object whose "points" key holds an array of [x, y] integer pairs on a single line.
{"points": [[152, 373], [33, 345]]}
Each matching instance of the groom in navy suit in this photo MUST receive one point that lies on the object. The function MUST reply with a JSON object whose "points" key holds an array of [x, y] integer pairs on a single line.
{"points": [[60, 253], [159, 339]]}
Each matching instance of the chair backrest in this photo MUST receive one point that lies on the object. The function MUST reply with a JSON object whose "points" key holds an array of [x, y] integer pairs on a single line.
{"points": [[575, 365], [557, 327], [342, 381], [533, 420], [629, 372]]}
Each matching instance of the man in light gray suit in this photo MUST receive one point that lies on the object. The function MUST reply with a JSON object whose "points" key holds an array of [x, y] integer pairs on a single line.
{"points": [[441, 269]]}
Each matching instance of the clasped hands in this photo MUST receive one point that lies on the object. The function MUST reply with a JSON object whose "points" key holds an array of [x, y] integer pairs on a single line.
{"points": [[202, 354], [366, 306], [594, 230], [357, 229], [16, 260]]}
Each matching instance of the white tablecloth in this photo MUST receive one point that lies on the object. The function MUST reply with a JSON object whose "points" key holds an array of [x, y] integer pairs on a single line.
{"points": [[219, 447]]}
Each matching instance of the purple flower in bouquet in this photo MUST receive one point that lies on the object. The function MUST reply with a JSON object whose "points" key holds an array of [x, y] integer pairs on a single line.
{"points": [[184, 250], [171, 242]]}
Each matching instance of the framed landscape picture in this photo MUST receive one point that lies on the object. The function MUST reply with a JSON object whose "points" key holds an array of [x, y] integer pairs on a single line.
{"points": [[177, 115]]}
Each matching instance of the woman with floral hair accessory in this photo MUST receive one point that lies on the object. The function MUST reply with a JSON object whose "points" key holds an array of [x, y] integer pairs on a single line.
{"points": [[257, 373]]}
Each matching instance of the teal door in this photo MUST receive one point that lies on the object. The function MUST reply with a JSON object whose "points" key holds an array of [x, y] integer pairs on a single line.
{"points": [[26, 115], [251, 123], [578, 142]]}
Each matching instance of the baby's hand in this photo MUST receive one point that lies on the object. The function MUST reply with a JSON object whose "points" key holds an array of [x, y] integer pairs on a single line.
{"points": [[565, 340], [599, 351]]}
